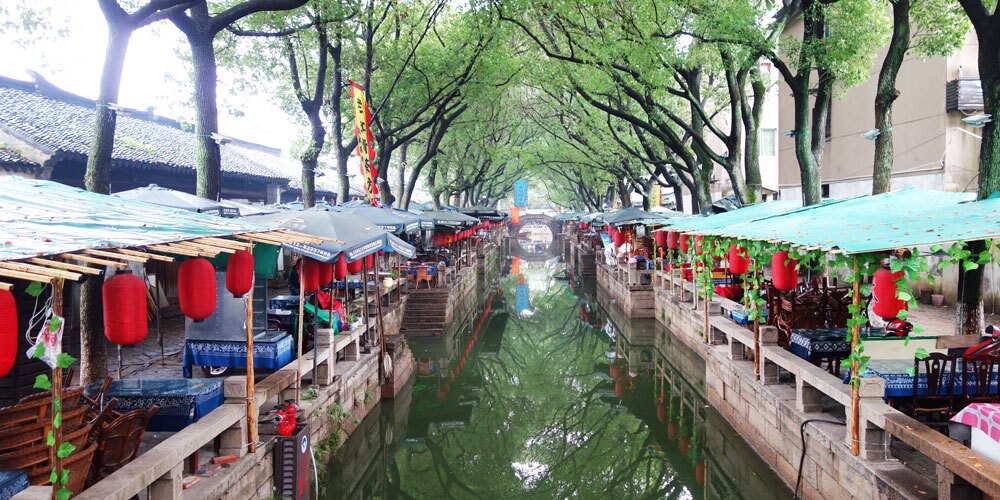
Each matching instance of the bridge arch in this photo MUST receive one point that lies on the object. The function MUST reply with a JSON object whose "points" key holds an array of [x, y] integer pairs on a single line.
{"points": [[535, 237]]}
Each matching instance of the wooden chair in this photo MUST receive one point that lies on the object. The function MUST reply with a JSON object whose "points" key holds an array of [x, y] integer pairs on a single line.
{"points": [[934, 408], [424, 276], [100, 419], [36, 407], [977, 373], [78, 464], [119, 442], [38, 454], [13, 438]]}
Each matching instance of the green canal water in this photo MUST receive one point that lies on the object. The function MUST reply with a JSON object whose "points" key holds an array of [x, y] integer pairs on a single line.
{"points": [[559, 400]]}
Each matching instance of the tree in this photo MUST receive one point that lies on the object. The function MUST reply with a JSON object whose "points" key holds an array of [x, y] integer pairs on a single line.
{"points": [[200, 26], [97, 177], [939, 29]]}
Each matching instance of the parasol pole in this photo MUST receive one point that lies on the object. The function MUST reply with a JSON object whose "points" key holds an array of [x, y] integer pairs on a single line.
{"points": [[57, 389], [302, 300], [315, 346], [381, 326], [756, 327], [364, 289], [251, 402], [855, 395], [159, 334]]}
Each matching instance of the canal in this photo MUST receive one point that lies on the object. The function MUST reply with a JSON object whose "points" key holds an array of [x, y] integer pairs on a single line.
{"points": [[560, 399]]}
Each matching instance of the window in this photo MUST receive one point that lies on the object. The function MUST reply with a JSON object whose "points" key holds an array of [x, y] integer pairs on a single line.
{"points": [[825, 189], [767, 141]]}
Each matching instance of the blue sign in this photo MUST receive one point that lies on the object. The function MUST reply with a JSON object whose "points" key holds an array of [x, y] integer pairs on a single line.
{"points": [[521, 297], [521, 193]]}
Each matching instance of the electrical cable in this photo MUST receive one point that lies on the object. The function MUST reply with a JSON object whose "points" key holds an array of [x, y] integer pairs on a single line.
{"points": [[802, 436]]}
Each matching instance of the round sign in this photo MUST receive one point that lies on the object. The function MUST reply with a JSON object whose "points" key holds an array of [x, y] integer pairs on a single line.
{"points": [[304, 443]]}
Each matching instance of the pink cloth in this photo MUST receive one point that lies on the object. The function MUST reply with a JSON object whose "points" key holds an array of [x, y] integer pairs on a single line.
{"points": [[983, 416]]}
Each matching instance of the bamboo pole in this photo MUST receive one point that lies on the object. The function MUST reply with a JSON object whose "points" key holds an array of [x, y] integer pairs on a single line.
{"points": [[65, 265], [251, 403], [57, 389], [756, 331], [364, 308], [93, 260], [381, 327], [855, 395], [302, 300]]}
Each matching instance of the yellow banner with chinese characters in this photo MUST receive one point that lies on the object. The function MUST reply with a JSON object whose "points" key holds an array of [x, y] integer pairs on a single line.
{"points": [[655, 196], [366, 150]]}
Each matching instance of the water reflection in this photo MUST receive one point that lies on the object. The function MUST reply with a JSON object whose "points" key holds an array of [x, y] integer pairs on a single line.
{"points": [[569, 401]]}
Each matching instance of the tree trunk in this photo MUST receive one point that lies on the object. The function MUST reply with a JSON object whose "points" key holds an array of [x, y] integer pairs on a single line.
{"points": [[812, 189], [209, 161], [989, 75], [678, 198], [751, 124], [401, 178], [886, 94], [93, 353], [310, 157], [969, 310]]}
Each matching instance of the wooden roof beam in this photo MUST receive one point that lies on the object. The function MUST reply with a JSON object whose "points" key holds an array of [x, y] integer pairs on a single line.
{"points": [[115, 255], [94, 260], [65, 265], [150, 256], [179, 250], [42, 270], [6, 286], [18, 275], [224, 243]]}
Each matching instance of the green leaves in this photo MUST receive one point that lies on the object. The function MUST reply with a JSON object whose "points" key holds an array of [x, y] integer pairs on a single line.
{"points": [[34, 289], [65, 449], [42, 382], [64, 360]]}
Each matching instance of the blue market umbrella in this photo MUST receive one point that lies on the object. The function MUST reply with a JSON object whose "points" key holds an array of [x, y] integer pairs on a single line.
{"points": [[451, 219], [178, 199], [386, 219], [359, 238]]}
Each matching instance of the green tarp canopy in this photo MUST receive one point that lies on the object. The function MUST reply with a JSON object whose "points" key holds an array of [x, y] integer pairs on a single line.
{"points": [[39, 218], [900, 219], [749, 213]]}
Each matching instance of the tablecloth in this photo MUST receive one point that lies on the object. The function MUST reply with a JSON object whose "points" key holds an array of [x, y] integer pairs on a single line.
{"points": [[12, 482], [983, 416], [899, 383], [267, 355], [181, 402], [814, 343]]}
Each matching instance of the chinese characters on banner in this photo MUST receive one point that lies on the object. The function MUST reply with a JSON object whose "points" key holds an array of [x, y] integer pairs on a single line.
{"points": [[366, 148], [655, 196]]}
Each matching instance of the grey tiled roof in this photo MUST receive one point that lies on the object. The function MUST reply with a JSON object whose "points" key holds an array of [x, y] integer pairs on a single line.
{"points": [[10, 158], [55, 125]]}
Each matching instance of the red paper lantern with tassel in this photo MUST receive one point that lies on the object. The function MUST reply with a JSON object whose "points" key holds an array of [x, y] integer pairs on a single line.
{"points": [[354, 267], [8, 331], [196, 288], [239, 273], [618, 237], [661, 238], [325, 273], [340, 268], [370, 261], [684, 243], [310, 275], [783, 273], [661, 410], [124, 297], [884, 301], [697, 245], [738, 261]]}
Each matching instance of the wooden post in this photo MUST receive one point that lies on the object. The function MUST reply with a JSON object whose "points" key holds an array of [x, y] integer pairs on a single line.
{"points": [[756, 332], [381, 325], [855, 395], [302, 300], [57, 389], [251, 403]]}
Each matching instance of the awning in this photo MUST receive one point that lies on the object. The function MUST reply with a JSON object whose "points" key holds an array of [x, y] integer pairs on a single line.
{"points": [[448, 218], [707, 223], [637, 216], [39, 218], [899, 219], [359, 238]]}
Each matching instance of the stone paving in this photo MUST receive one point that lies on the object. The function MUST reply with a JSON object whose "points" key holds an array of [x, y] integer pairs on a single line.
{"points": [[144, 359]]}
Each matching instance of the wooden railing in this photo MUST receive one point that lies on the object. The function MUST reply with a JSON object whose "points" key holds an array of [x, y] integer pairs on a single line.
{"points": [[877, 419]]}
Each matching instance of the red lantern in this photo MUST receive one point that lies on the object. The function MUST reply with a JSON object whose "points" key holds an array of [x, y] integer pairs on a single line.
{"points": [[697, 244], [738, 262], [196, 288], [685, 445], [310, 275], [884, 301], [584, 225], [684, 243], [239, 273], [8, 331], [354, 267], [618, 237], [370, 261], [125, 308], [673, 240], [340, 269], [783, 272], [325, 273], [620, 389], [672, 430], [699, 473], [661, 410], [661, 238]]}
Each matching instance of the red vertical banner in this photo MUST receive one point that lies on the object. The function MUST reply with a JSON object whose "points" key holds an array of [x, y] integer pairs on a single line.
{"points": [[366, 147], [515, 216]]}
